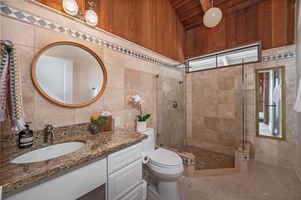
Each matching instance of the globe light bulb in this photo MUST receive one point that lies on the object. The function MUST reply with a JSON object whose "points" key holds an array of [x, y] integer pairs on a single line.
{"points": [[70, 7], [212, 17], [91, 17]]}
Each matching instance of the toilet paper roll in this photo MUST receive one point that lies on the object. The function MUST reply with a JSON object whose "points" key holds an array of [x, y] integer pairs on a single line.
{"points": [[144, 189], [145, 158]]}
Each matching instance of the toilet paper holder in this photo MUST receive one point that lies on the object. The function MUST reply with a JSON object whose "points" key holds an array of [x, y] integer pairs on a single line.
{"points": [[145, 158]]}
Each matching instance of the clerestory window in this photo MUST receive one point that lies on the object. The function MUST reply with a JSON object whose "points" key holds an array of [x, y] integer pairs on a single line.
{"points": [[246, 54]]}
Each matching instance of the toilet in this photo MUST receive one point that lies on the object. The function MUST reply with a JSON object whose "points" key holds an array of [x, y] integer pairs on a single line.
{"points": [[164, 168]]}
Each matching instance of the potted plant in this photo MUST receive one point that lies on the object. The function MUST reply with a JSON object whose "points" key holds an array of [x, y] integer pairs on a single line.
{"points": [[141, 119], [96, 120]]}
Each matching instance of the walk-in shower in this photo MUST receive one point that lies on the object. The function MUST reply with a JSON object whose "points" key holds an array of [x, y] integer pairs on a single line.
{"points": [[202, 113]]}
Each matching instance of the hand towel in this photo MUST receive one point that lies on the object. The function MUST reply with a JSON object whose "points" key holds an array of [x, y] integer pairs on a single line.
{"points": [[10, 88], [297, 106], [276, 94]]}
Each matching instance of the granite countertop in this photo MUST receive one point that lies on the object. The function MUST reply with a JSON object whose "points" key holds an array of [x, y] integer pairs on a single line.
{"points": [[14, 176]]}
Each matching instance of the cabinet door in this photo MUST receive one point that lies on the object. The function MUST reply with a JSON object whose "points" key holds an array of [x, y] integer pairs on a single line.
{"points": [[136, 194], [124, 180], [124, 157], [68, 186]]}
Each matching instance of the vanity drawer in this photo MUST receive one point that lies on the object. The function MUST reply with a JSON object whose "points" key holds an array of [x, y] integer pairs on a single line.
{"points": [[136, 194], [124, 181], [124, 157]]}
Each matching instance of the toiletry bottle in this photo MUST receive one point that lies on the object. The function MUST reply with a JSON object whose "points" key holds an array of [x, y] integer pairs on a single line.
{"points": [[25, 137]]}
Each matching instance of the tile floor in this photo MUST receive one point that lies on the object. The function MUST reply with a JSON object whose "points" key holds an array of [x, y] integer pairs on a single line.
{"points": [[261, 182], [206, 159]]}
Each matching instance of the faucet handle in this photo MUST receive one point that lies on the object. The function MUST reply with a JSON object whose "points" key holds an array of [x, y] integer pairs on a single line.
{"points": [[48, 126], [49, 131]]}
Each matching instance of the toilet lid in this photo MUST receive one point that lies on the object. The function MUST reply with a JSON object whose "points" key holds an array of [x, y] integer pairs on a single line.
{"points": [[165, 157]]}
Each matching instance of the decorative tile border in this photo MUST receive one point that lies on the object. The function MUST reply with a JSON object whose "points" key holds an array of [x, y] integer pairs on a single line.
{"points": [[37, 21], [188, 161], [278, 56]]}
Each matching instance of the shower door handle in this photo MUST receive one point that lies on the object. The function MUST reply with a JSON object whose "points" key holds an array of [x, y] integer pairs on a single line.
{"points": [[175, 104]]}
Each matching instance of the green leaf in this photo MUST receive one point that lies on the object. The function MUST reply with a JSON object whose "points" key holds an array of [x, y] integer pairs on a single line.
{"points": [[143, 118], [100, 120]]}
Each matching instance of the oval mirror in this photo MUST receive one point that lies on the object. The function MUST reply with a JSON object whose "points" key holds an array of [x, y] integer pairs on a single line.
{"points": [[69, 74], [270, 103]]}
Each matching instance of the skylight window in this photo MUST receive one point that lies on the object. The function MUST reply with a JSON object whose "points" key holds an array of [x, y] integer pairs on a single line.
{"points": [[246, 54]]}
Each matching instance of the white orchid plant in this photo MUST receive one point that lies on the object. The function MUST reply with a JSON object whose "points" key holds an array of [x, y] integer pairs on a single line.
{"points": [[136, 99]]}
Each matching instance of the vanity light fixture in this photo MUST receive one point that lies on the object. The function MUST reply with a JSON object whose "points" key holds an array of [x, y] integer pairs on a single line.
{"points": [[212, 16], [90, 16]]}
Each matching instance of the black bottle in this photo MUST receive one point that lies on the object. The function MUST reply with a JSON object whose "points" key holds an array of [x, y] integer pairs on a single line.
{"points": [[25, 137]]}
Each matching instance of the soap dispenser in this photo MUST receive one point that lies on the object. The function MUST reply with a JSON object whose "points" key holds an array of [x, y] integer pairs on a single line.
{"points": [[25, 137]]}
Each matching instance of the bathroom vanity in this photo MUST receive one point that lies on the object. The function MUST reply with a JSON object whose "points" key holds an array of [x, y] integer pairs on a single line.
{"points": [[125, 174], [109, 166]]}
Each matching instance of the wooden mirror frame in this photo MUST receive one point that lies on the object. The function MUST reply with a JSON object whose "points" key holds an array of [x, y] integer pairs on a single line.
{"points": [[34, 78], [283, 102]]}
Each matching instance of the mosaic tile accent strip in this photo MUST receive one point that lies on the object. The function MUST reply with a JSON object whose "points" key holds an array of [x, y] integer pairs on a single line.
{"points": [[188, 161], [278, 56], [37, 21]]}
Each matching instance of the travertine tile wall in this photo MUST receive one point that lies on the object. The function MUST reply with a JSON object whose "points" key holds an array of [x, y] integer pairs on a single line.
{"points": [[127, 75], [298, 76], [214, 111], [281, 153]]}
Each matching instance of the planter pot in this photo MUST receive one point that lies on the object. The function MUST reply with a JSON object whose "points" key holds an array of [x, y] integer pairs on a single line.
{"points": [[107, 125], [141, 126], [94, 128]]}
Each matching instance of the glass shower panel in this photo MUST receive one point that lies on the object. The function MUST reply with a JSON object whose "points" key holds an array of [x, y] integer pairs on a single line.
{"points": [[171, 121]]}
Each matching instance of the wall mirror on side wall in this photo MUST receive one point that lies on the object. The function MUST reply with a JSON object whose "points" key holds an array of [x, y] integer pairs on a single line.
{"points": [[69, 74], [270, 103]]}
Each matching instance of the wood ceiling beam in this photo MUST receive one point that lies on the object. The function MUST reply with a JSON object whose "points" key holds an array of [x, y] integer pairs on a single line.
{"points": [[228, 11], [187, 7], [206, 4], [191, 13], [241, 6], [177, 4]]}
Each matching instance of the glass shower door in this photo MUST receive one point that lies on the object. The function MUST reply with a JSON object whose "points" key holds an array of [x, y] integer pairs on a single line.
{"points": [[171, 121]]}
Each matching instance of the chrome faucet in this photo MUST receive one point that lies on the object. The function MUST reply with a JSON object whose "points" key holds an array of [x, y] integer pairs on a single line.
{"points": [[49, 131]]}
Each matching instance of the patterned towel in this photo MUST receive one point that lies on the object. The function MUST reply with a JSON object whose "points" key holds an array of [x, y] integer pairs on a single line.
{"points": [[10, 88]]}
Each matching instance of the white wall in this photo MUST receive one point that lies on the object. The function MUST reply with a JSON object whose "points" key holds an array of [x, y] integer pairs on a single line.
{"points": [[298, 75]]}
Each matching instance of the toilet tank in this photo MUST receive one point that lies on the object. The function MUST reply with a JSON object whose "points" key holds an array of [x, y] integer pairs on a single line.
{"points": [[149, 143]]}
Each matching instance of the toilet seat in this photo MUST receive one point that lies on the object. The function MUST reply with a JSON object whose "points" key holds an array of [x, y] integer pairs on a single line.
{"points": [[163, 157], [165, 162]]}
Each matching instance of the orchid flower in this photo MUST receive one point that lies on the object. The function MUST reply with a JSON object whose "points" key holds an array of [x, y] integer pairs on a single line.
{"points": [[138, 100]]}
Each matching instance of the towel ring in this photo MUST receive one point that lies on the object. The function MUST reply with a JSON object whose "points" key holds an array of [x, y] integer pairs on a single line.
{"points": [[8, 44]]}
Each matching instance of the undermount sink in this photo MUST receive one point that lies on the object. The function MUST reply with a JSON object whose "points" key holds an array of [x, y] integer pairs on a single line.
{"points": [[48, 152]]}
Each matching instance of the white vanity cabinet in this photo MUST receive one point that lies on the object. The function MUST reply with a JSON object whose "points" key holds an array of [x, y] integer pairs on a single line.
{"points": [[125, 174], [116, 176], [71, 184]]}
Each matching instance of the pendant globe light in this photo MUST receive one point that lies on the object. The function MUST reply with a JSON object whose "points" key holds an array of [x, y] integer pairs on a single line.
{"points": [[212, 16]]}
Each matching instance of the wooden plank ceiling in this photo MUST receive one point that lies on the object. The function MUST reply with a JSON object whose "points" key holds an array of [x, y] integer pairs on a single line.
{"points": [[190, 12]]}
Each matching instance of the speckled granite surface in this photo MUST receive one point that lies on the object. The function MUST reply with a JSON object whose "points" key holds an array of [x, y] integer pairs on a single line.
{"points": [[15, 176]]}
